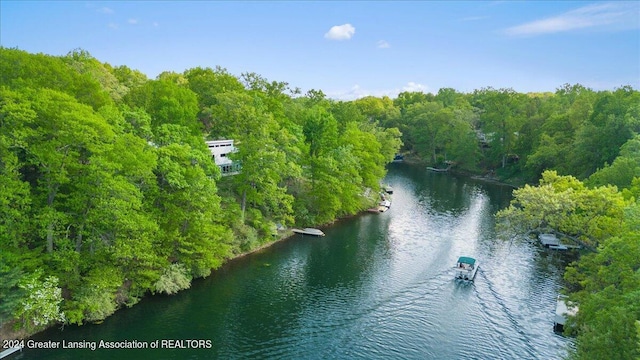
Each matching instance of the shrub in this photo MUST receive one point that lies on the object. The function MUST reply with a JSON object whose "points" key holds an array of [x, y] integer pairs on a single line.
{"points": [[175, 278]]}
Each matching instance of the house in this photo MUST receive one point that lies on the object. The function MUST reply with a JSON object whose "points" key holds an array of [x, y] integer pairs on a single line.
{"points": [[220, 150]]}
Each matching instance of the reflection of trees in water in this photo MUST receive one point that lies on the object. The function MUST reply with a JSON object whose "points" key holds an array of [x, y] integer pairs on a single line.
{"points": [[446, 193], [449, 193]]}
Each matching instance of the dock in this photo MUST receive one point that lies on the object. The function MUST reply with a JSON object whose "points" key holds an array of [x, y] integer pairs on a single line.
{"points": [[552, 242], [562, 311], [308, 231], [9, 351], [548, 240], [385, 201], [379, 209], [383, 206]]}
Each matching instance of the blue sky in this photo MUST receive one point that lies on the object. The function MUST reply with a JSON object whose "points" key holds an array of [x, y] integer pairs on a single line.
{"points": [[349, 49]]}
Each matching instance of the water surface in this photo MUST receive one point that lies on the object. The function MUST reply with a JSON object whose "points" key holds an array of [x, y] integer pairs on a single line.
{"points": [[378, 286]]}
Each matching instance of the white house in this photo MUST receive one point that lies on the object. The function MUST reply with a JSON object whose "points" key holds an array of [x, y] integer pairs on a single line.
{"points": [[220, 150]]}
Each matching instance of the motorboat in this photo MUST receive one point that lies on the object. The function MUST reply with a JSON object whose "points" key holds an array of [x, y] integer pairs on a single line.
{"points": [[466, 268]]}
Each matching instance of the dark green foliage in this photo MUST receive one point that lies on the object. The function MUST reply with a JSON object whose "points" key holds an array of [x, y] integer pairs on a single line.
{"points": [[606, 286], [10, 293], [604, 283], [167, 102], [615, 119], [624, 168], [108, 191], [441, 135]]}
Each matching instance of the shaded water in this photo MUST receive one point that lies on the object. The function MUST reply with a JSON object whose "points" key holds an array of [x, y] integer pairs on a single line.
{"points": [[378, 286]]}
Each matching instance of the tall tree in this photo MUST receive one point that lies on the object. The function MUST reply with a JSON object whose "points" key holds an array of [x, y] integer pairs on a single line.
{"points": [[167, 103], [501, 119], [186, 205], [207, 83], [615, 119]]}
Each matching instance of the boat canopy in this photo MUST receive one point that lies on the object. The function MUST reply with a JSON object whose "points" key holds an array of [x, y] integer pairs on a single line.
{"points": [[467, 260]]}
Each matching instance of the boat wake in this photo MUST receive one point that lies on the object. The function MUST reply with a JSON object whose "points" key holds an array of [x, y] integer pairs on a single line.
{"points": [[505, 309]]}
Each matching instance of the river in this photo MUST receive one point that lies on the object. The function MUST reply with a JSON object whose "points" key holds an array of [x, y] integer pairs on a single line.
{"points": [[378, 286]]}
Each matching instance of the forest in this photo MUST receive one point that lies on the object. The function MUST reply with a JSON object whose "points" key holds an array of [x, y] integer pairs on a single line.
{"points": [[108, 191]]}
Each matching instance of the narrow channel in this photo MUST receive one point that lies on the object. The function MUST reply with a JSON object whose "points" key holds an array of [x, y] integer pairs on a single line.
{"points": [[377, 286]]}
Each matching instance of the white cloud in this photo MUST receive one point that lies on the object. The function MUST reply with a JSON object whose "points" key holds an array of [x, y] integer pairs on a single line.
{"points": [[155, 24], [605, 16], [132, 21], [382, 44], [113, 26], [340, 32], [106, 10], [414, 87], [357, 92]]}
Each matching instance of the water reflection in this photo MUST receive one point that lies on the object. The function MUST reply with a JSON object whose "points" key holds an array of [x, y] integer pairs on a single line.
{"points": [[378, 286]]}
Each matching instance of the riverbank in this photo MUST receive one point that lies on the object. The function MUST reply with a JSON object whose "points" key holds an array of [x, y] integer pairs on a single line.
{"points": [[390, 272], [7, 331], [485, 176], [494, 180]]}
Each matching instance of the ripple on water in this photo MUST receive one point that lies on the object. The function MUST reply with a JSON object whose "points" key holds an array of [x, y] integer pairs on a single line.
{"points": [[376, 287]]}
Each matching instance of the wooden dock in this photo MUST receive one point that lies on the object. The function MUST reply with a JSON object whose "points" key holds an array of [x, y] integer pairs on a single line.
{"points": [[552, 242], [9, 351], [308, 231], [548, 240]]}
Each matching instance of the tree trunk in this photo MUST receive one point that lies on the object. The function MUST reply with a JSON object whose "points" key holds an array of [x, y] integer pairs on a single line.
{"points": [[50, 197], [79, 238], [185, 227], [50, 237], [244, 203]]}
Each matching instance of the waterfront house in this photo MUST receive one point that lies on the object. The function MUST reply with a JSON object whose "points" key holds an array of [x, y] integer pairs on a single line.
{"points": [[220, 150]]}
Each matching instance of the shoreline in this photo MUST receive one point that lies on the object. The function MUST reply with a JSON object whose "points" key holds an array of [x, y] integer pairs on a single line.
{"points": [[286, 234], [471, 175], [493, 180], [7, 333]]}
